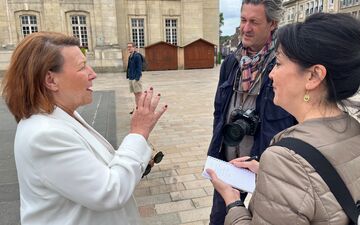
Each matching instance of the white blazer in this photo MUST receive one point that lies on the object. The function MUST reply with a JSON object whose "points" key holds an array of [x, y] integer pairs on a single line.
{"points": [[70, 175]]}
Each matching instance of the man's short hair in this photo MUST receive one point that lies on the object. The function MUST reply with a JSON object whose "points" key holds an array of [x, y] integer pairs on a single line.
{"points": [[273, 8]]}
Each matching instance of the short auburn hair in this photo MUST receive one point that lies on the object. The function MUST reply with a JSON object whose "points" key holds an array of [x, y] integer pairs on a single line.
{"points": [[24, 89]]}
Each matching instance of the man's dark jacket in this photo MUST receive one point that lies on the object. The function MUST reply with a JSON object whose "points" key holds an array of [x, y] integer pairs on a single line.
{"points": [[134, 67], [273, 120]]}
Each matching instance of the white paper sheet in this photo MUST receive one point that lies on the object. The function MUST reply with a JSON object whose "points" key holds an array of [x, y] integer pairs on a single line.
{"points": [[238, 178]]}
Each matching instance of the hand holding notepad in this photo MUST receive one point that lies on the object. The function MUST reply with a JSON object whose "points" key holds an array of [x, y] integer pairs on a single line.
{"points": [[238, 178]]}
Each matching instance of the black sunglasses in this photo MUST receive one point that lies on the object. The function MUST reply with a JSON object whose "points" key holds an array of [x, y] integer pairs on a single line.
{"points": [[157, 159]]}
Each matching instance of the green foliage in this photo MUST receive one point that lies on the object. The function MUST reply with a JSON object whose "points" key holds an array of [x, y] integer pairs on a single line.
{"points": [[224, 38], [83, 50], [219, 58], [221, 21]]}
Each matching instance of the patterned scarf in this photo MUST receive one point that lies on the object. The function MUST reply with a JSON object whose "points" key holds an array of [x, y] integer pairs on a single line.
{"points": [[250, 63]]}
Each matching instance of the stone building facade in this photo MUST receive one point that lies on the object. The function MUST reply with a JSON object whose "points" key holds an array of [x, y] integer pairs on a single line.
{"points": [[350, 6], [104, 27], [298, 10]]}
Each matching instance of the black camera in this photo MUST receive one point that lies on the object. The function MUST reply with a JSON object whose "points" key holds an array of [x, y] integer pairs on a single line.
{"points": [[242, 122]]}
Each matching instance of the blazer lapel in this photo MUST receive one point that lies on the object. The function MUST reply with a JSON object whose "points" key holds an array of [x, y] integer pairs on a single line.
{"points": [[99, 145]]}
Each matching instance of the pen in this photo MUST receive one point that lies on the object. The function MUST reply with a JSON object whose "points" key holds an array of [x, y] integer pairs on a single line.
{"points": [[251, 158]]}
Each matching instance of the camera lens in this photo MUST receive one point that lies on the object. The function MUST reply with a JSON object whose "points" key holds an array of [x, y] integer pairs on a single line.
{"points": [[234, 132]]}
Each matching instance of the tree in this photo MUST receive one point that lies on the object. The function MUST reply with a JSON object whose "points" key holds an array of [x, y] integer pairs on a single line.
{"points": [[221, 21], [218, 51]]}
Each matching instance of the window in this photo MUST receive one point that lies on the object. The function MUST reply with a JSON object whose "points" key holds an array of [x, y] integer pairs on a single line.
{"points": [[28, 24], [342, 3], [79, 29], [171, 31], [307, 9], [137, 32], [321, 5], [301, 11]]}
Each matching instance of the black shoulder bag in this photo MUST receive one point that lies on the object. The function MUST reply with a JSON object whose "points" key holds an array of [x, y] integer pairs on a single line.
{"points": [[328, 173]]}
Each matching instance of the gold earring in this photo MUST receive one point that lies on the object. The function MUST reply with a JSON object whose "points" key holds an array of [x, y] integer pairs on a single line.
{"points": [[306, 97]]}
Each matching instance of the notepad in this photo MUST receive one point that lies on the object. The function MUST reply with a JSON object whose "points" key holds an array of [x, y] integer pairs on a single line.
{"points": [[238, 178]]}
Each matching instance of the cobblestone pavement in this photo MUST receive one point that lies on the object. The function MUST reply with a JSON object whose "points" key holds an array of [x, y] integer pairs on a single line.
{"points": [[174, 192]]}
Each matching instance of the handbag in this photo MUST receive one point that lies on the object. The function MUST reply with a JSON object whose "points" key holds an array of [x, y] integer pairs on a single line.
{"points": [[328, 173]]}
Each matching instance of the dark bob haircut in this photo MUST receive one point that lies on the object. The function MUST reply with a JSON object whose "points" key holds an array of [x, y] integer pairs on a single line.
{"points": [[332, 40]]}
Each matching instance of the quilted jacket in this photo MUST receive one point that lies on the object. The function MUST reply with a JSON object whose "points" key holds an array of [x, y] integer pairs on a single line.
{"points": [[289, 191]]}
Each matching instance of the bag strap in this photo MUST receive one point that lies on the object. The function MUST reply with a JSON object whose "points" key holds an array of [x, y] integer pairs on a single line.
{"points": [[328, 173]]}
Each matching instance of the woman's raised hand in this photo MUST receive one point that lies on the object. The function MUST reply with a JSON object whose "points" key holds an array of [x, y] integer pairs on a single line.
{"points": [[145, 115]]}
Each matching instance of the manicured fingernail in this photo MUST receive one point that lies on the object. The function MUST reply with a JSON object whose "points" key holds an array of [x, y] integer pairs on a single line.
{"points": [[159, 94], [151, 88]]}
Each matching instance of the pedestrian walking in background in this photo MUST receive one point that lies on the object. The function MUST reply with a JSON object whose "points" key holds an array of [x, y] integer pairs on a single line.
{"points": [[134, 72]]}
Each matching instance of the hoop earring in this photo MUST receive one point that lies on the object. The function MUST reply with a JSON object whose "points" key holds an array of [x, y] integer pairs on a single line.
{"points": [[306, 97]]}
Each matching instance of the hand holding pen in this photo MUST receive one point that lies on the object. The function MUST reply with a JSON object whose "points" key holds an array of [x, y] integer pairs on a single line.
{"points": [[247, 162], [255, 157]]}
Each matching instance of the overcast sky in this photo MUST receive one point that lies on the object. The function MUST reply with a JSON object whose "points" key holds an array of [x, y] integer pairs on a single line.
{"points": [[231, 11]]}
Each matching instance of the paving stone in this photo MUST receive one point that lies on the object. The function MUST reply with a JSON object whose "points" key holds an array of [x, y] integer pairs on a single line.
{"points": [[151, 182], [174, 207], [147, 210], [202, 202], [153, 199], [164, 173], [195, 215], [195, 223], [179, 179], [209, 190], [196, 163], [167, 188], [142, 192], [187, 194], [173, 166], [197, 183], [164, 219], [190, 170]]}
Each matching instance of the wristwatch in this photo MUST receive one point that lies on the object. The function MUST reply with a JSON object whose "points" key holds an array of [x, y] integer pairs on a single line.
{"points": [[237, 203]]}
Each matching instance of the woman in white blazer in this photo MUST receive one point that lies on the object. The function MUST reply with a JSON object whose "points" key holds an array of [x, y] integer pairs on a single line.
{"points": [[68, 173]]}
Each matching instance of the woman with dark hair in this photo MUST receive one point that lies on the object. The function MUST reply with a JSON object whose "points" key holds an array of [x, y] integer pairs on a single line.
{"points": [[68, 173], [318, 66]]}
